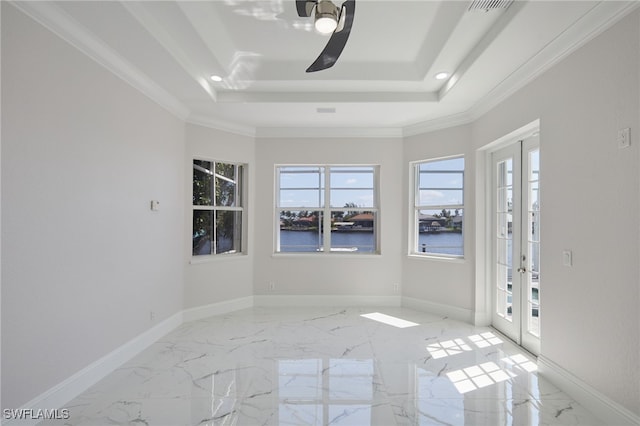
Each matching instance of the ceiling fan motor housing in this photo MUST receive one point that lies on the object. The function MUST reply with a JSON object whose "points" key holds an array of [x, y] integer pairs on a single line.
{"points": [[325, 9], [329, 19]]}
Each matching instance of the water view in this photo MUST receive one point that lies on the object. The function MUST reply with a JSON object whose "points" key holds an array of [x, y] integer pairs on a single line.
{"points": [[364, 242], [311, 241]]}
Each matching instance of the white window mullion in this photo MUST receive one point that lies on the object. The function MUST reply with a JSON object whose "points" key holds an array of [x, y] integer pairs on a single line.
{"points": [[355, 186], [232, 229], [214, 246], [326, 219], [279, 211], [438, 185]]}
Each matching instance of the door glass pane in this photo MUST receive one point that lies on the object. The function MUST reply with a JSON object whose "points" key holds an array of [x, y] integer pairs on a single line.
{"points": [[533, 243], [504, 239]]}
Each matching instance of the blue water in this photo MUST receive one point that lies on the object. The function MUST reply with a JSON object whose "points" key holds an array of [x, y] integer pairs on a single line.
{"points": [[441, 243], [311, 241]]}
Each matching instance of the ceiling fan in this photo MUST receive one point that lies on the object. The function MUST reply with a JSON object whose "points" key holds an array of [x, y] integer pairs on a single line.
{"points": [[329, 18]]}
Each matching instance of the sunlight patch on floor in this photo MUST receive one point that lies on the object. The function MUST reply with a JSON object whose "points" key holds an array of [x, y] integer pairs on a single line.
{"points": [[484, 340], [388, 319], [478, 376], [447, 348]]}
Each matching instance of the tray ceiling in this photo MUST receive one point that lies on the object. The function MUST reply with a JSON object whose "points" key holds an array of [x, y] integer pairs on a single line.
{"points": [[383, 84]]}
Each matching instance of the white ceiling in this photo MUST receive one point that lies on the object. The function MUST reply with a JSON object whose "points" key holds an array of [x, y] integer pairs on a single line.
{"points": [[382, 85]]}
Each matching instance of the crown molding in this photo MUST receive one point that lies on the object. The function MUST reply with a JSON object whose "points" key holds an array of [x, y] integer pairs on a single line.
{"points": [[173, 47], [599, 19], [223, 125], [329, 132], [64, 26], [437, 124], [320, 97], [493, 33], [596, 21], [602, 17]]}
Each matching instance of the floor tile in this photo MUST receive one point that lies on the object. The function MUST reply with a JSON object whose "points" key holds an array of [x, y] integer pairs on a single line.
{"points": [[327, 366]]}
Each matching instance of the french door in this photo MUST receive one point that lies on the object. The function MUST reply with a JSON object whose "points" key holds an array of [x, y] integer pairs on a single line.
{"points": [[516, 242]]}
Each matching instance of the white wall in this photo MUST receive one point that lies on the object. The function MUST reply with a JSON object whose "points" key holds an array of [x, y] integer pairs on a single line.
{"points": [[220, 278], [84, 260], [1, 208], [590, 205], [590, 193], [445, 282], [329, 274]]}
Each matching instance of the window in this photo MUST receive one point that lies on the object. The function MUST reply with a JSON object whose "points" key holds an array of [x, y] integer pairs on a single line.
{"points": [[218, 212], [341, 199], [438, 207]]}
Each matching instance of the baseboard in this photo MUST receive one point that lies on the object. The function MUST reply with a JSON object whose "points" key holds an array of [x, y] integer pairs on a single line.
{"points": [[609, 411], [453, 312], [70, 388], [67, 390], [603, 407], [482, 319], [73, 386], [218, 308], [321, 300]]}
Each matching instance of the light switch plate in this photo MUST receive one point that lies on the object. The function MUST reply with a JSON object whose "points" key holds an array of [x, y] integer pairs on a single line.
{"points": [[624, 138], [567, 258]]}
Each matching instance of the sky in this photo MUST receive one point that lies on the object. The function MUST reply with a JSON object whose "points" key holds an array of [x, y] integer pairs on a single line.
{"points": [[440, 184], [303, 187]]}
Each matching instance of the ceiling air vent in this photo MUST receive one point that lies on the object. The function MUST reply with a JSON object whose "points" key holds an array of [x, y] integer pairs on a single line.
{"points": [[487, 5]]}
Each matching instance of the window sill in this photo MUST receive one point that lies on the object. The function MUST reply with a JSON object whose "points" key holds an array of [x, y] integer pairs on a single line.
{"points": [[326, 255], [217, 258], [415, 256]]}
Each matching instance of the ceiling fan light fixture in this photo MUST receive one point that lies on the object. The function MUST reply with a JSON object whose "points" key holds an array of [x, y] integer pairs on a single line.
{"points": [[329, 20], [326, 18]]}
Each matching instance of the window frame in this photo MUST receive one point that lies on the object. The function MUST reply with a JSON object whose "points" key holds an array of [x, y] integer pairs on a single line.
{"points": [[415, 206], [326, 210], [240, 201]]}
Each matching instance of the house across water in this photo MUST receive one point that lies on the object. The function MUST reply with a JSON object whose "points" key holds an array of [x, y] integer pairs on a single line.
{"points": [[362, 222]]}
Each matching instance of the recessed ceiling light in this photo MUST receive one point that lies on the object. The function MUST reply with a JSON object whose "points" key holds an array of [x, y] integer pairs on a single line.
{"points": [[216, 78], [442, 75]]}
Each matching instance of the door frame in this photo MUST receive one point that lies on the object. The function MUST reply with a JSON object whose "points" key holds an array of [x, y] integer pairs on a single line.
{"points": [[511, 328], [483, 303], [517, 325]]}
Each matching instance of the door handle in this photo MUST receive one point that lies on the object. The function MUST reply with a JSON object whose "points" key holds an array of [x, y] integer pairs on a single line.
{"points": [[523, 269]]}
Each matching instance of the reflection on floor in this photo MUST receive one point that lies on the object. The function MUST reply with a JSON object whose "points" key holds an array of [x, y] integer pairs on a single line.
{"points": [[327, 366]]}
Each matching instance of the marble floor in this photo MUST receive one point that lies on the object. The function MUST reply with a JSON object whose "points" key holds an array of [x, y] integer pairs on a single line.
{"points": [[327, 366]]}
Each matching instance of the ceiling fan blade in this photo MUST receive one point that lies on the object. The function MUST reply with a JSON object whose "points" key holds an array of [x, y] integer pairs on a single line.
{"points": [[338, 40], [305, 7]]}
